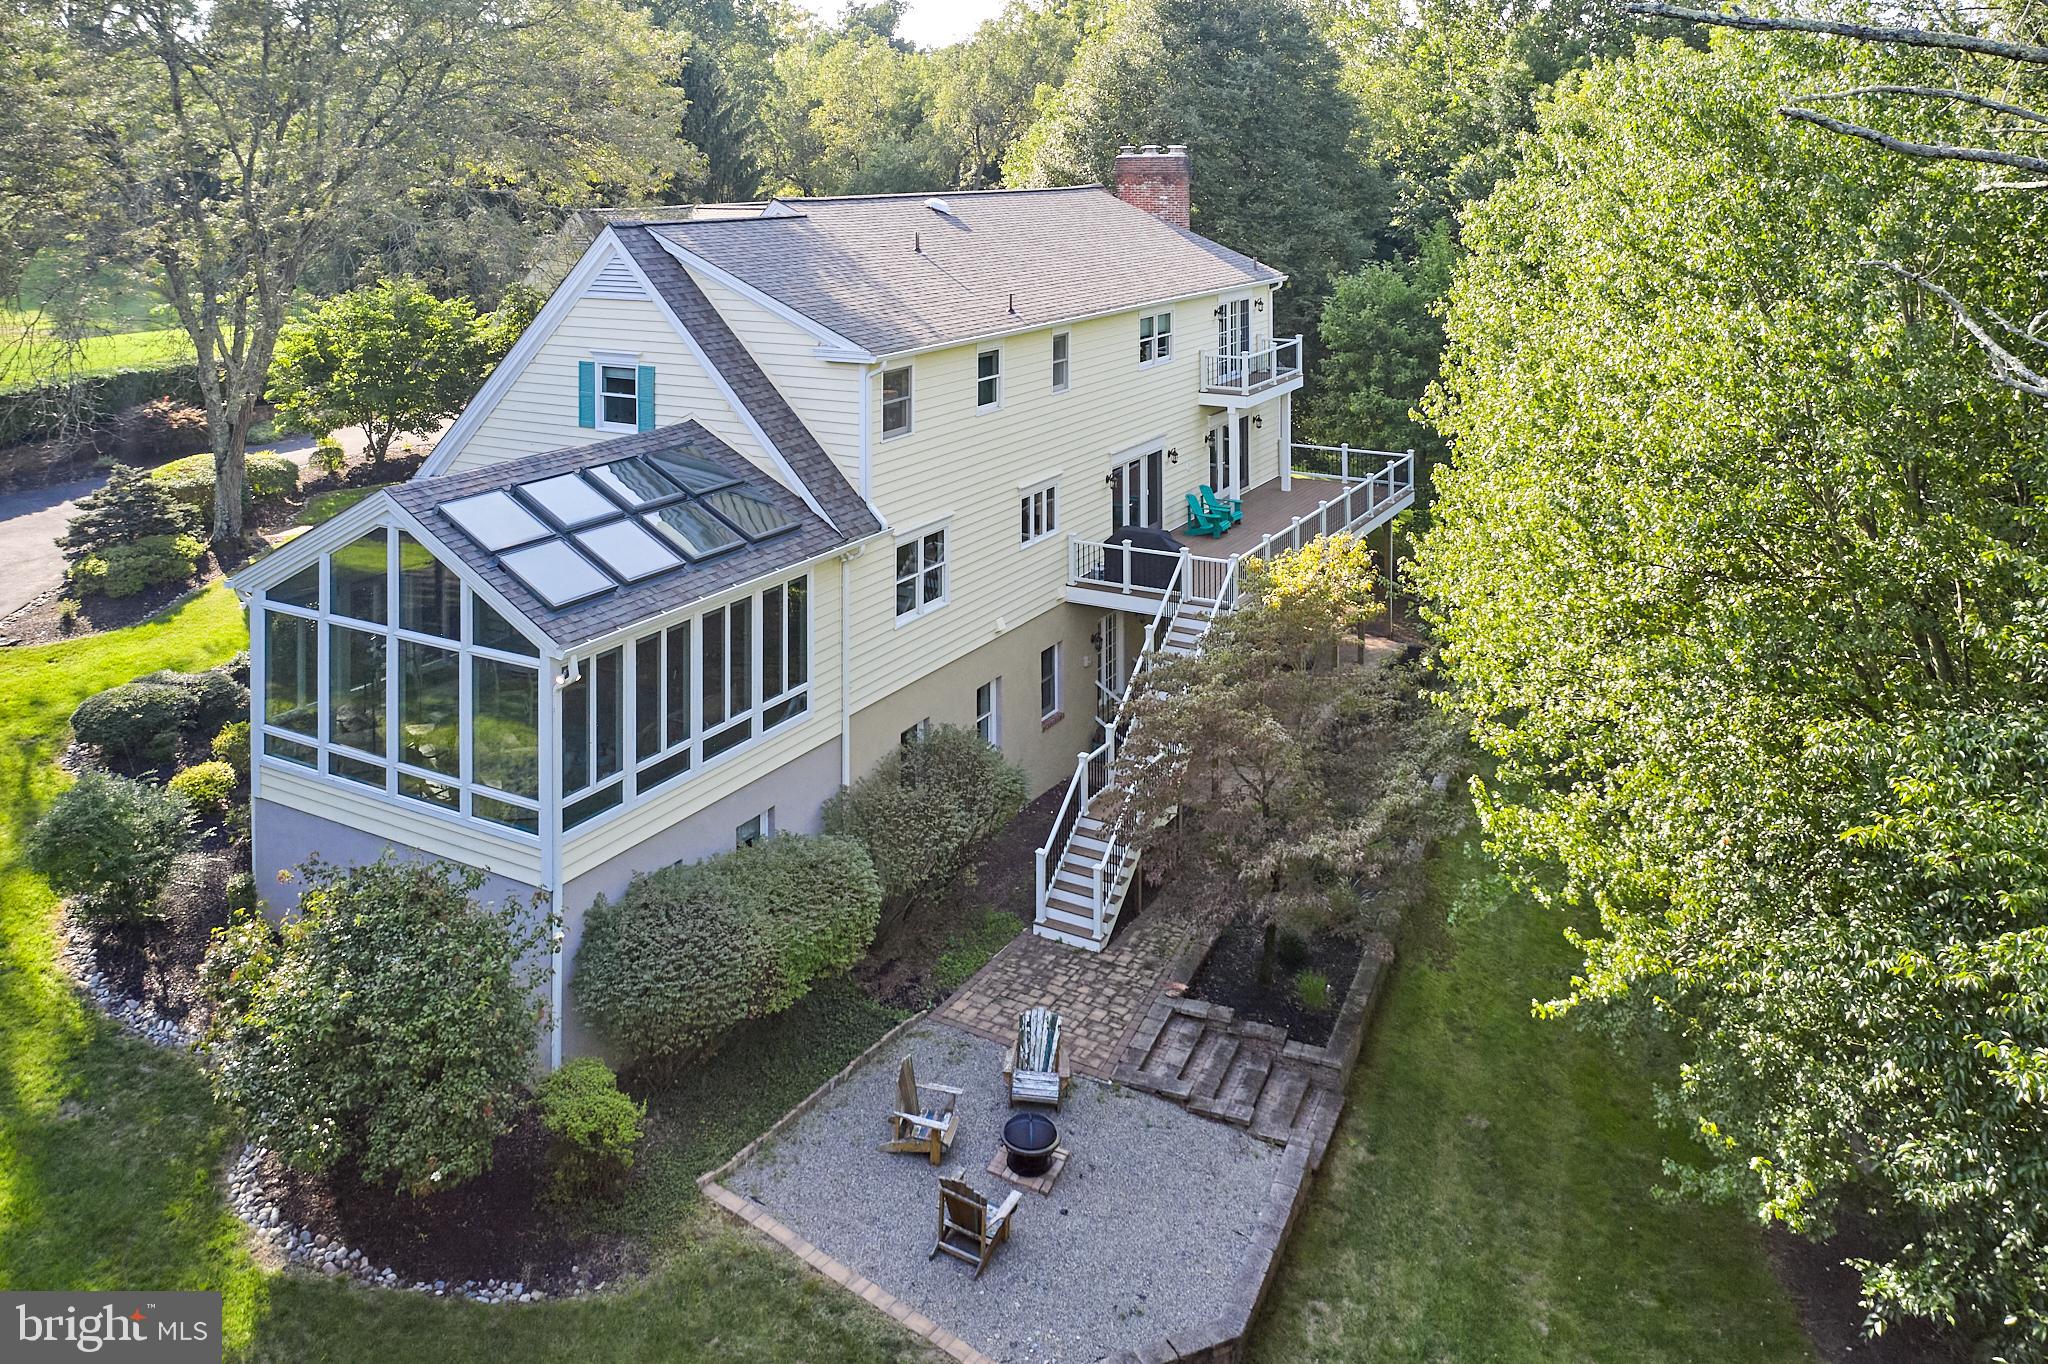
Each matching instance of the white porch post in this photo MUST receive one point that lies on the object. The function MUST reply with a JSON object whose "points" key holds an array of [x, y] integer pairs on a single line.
{"points": [[1286, 442], [549, 744]]}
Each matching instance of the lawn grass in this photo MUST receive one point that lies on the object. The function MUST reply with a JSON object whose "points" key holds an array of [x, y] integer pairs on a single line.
{"points": [[28, 359], [1488, 1195], [332, 503], [130, 325], [110, 1150]]}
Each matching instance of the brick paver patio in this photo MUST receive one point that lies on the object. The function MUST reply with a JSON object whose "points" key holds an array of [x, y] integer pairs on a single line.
{"points": [[1101, 996]]}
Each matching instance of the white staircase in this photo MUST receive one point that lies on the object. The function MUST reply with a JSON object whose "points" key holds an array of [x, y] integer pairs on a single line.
{"points": [[1087, 864]]}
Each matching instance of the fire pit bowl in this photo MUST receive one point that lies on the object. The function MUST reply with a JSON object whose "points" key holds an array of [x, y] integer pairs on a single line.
{"points": [[1031, 1140]]}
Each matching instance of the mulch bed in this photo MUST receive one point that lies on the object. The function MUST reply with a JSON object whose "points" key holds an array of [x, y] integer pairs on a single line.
{"points": [[492, 1227], [1827, 1295], [897, 969], [158, 962], [1230, 975]]}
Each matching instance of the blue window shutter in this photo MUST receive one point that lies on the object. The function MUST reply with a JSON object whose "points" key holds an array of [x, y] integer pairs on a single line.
{"points": [[646, 390], [586, 393]]}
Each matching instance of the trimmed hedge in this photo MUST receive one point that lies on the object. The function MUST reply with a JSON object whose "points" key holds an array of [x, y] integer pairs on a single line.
{"points": [[143, 719], [216, 696], [231, 746], [687, 952], [210, 786], [190, 480], [90, 400], [593, 1125]]}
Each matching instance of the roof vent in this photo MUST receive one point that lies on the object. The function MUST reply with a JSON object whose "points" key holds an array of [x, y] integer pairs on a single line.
{"points": [[940, 206]]}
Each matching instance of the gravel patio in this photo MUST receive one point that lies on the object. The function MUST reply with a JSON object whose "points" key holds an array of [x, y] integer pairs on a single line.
{"points": [[1143, 1234]]}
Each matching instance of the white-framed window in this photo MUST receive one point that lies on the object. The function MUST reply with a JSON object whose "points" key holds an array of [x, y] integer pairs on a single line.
{"points": [[379, 668], [922, 729], [1038, 514], [755, 830], [1155, 338], [920, 573], [1049, 683], [988, 712], [1062, 360], [618, 397], [988, 379], [896, 402]]}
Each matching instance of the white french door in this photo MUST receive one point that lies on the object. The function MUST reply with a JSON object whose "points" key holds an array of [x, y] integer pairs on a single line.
{"points": [[1136, 490], [1225, 461]]}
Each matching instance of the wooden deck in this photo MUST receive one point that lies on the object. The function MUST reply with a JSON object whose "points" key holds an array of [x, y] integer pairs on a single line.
{"points": [[1267, 508]]}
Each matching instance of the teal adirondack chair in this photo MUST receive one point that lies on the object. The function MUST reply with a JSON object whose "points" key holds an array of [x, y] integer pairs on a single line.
{"points": [[1230, 507], [1202, 521], [1036, 1070]]}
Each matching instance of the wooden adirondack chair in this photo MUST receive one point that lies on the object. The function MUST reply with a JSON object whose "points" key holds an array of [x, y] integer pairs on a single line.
{"points": [[924, 1121], [1036, 1071], [969, 1229], [1202, 521], [1230, 507]]}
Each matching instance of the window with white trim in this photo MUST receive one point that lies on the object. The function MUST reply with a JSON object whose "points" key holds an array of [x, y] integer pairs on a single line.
{"points": [[1155, 338], [988, 379], [1049, 682], [1038, 514], [988, 708], [618, 397], [920, 574], [435, 703], [920, 730], [755, 830], [1062, 367], [896, 401]]}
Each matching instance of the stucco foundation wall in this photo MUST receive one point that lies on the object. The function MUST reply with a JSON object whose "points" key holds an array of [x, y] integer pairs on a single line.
{"points": [[281, 838], [796, 791], [946, 697]]}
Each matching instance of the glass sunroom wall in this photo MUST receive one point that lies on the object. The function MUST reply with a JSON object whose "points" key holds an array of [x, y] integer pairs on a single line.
{"points": [[434, 704]]}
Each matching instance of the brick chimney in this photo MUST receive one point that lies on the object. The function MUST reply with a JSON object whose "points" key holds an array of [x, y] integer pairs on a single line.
{"points": [[1155, 180]]}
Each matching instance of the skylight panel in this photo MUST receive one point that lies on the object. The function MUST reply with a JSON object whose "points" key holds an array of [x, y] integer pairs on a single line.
{"points": [[628, 550], [494, 520], [698, 475], [557, 574], [569, 500], [756, 519], [634, 482], [692, 529]]}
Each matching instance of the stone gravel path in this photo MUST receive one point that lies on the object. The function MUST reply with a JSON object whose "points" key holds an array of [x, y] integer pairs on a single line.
{"points": [[1143, 1233]]}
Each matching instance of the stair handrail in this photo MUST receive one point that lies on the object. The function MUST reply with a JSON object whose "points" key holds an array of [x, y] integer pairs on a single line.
{"points": [[1061, 834]]}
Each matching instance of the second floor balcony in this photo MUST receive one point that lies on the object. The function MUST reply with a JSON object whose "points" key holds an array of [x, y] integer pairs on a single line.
{"points": [[1240, 375]]}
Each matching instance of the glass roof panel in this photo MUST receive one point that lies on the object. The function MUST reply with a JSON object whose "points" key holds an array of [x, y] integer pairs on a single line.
{"points": [[756, 519], [698, 475], [557, 574], [634, 481], [691, 529], [494, 520], [569, 500], [627, 549]]}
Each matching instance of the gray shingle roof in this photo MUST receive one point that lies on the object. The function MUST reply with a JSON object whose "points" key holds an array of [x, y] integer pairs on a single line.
{"points": [[732, 360], [581, 622], [890, 274]]}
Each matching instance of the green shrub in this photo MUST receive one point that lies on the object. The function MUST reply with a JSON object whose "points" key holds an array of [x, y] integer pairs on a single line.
{"points": [[190, 480], [64, 405], [593, 1126], [210, 786], [129, 507], [241, 893], [988, 933], [109, 843], [925, 811], [231, 746], [1313, 988], [124, 570], [328, 458], [135, 721], [688, 951], [390, 1022], [217, 697]]}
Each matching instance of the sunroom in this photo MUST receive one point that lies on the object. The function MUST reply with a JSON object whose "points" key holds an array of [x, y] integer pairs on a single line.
{"points": [[531, 648]]}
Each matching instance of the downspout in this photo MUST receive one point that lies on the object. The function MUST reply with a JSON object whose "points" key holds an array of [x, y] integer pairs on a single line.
{"points": [[867, 431], [846, 648]]}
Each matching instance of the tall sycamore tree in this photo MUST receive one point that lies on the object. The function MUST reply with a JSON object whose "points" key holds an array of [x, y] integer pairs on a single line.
{"points": [[1740, 569], [229, 143]]}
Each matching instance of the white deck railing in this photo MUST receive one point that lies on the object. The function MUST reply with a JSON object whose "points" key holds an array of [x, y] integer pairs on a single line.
{"points": [[1367, 483], [1241, 373]]}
